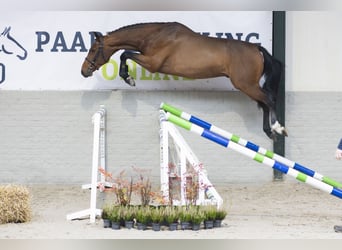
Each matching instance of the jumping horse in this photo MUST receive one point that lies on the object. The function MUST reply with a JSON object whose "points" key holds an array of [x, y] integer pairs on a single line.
{"points": [[172, 48]]}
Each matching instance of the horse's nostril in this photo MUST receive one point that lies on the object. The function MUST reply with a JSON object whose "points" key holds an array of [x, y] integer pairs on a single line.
{"points": [[84, 74]]}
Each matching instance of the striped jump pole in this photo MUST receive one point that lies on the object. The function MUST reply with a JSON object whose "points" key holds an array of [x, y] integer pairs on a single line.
{"points": [[201, 123], [225, 142]]}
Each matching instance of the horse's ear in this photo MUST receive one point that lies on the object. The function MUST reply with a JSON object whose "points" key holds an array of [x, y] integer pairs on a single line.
{"points": [[6, 31], [98, 35]]}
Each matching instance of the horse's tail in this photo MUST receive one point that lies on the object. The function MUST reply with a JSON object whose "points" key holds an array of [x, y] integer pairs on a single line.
{"points": [[272, 71]]}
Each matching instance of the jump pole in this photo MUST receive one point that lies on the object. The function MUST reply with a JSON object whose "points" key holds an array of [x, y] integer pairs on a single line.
{"points": [[225, 142], [201, 123]]}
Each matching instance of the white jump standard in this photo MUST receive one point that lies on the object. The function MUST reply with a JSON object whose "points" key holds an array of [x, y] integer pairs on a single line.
{"points": [[98, 159], [225, 142], [168, 133]]}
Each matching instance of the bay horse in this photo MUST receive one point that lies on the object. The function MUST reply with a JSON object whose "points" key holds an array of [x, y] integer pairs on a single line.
{"points": [[172, 48]]}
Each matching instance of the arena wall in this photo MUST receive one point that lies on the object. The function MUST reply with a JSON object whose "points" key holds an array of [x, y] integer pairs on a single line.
{"points": [[46, 136]]}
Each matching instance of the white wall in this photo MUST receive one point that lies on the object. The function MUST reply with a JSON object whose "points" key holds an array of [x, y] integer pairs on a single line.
{"points": [[313, 51], [46, 136]]}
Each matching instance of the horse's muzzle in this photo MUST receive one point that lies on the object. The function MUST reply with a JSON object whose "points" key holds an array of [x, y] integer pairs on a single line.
{"points": [[87, 73]]}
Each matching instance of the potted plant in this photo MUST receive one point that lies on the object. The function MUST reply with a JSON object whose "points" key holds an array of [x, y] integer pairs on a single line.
{"points": [[143, 217], [143, 186], [185, 218], [105, 216], [115, 217], [171, 217], [157, 217], [197, 217], [128, 215], [209, 216], [220, 215]]}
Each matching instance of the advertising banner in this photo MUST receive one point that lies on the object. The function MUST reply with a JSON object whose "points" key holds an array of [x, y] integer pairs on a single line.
{"points": [[44, 50]]}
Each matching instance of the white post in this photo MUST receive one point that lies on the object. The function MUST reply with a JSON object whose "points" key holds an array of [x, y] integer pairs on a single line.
{"points": [[95, 165], [103, 145], [186, 154], [164, 159], [183, 177], [98, 151]]}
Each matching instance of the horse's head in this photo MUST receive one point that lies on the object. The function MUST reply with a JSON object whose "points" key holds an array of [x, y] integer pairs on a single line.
{"points": [[10, 46], [97, 56]]}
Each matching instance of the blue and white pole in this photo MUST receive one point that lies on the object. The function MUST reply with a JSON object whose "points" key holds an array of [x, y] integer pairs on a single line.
{"points": [[252, 154], [199, 122]]}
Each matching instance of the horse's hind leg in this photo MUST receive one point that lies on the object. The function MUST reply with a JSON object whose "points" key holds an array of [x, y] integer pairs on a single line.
{"points": [[273, 122], [266, 120], [267, 103], [276, 126], [123, 72]]}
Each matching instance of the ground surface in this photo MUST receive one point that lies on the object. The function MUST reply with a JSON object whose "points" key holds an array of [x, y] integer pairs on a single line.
{"points": [[281, 210]]}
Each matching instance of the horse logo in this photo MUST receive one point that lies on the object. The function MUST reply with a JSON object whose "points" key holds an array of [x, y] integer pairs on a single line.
{"points": [[10, 46]]}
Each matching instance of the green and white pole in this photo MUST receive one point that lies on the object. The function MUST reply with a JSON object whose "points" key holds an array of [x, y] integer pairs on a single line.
{"points": [[225, 142], [195, 120]]}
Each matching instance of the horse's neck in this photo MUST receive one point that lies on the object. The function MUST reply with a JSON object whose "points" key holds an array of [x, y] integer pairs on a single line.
{"points": [[129, 38]]}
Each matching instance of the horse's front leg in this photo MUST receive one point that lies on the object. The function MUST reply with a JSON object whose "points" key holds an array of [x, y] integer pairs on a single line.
{"points": [[123, 72]]}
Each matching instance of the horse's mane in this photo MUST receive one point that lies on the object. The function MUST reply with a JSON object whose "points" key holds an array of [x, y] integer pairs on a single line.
{"points": [[136, 25]]}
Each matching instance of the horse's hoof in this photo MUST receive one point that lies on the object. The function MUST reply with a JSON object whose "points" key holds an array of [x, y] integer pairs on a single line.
{"points": [[130, 81], [276, 127], [285, 132]]}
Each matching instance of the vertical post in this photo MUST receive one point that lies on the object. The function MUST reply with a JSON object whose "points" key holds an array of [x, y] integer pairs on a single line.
{"points": [[98, 152], [164, 158], [95, 165], [278, 47], [103, 145], [184, 180]]}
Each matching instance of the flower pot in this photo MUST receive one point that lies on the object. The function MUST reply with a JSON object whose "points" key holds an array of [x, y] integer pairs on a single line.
{"points": [[217, 223], [185, 225], [129, 224], [173, 226], [155, 226], [208, 224], [141, 226], [116, 225], [107, 223], [196, 227]]}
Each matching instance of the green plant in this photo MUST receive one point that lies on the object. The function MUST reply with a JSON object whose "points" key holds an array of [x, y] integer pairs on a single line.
{"points": [[157, 215], [197, 215], [171, 215], [220, 214], [143, 215], [128, 213], [184, 215], [106, 209], [210, 213], [115, 214]]}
